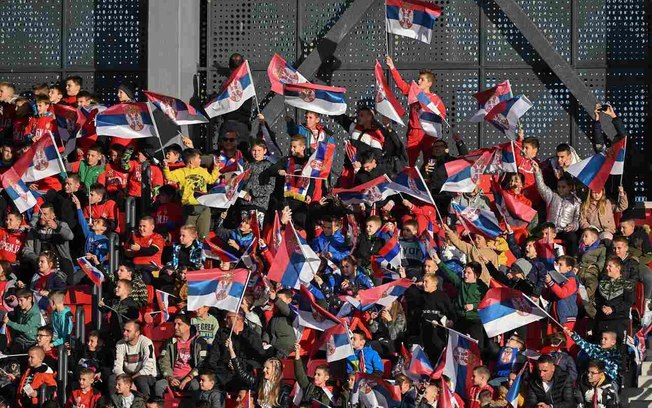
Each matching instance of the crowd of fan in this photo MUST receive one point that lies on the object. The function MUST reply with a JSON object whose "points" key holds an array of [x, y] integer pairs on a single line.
{"points": [[215, 356]]}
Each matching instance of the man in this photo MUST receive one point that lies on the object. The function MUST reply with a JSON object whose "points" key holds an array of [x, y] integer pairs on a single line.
{"points": [[364, 359], [430, 397], [134, 356], [180, 358], [551, 388], [48, 233], [280, 333], [24, 322]]}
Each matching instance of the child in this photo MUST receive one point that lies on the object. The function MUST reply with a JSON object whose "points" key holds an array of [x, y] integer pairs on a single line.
{"points": [[99, 206], [208, 392], [135, 168], [173, 156], [123, 396], [43, 125], [84, 396], [94, 356], [317, 389], [189, 252], [24, 321], [12, 237], [297, 190], [60, 319], [36, 375], [563, 296], [592, 257], [351, 280], [260, 185], [240, 239], [369, 242], [55, 94], [91, 167], [21, 119], [205, 324], [331, 243], [414, 252], [145, 247], [114, 177], [168, 214], [481, 376], [73, 86], [97, 243]]}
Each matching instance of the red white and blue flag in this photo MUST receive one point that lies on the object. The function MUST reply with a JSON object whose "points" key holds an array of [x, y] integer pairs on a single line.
{"points": [[505, 309], [295, 262], [163, 300], [88, 128], [237, 89], [515, 389], [516, 213], [218, 251], [17, 190], [177, 110], [460, 180], [383, 295], [478, 220], [506, 114], [419, 363], [129, 120], [432, 113], [310, 314], [462, 357], [594, 171], [327, 100], [69, 121], [619, 152], [217, 288], [386, 102], [508, 157], [281, 73], [224, 194], [375, 392], [410, 182], [41, 160], [389, 256], [411, 18], [320, 162], [491, 97], [93, 273], [367, 193], [351, 151]]}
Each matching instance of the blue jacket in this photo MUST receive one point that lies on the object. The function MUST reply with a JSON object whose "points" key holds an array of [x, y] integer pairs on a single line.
{"points": [[567, 307], [197, 257], [359, 281], [372, 361], [61, 326], [335, 244], [96, 244]]}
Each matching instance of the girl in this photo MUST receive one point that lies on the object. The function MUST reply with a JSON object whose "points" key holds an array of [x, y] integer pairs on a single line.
{"points": [[598, 211]]}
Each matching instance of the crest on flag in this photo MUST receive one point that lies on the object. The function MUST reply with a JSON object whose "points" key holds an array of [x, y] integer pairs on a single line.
{"points": [[405, 15], [471, 213], [307, 95], [316, 164], [330, 348], [235, 91], [286, 75], [374, 194], [501, 121], [132, 113], [40, 159], [224, 287], [169, 110], [522, 306], [380, 92]]}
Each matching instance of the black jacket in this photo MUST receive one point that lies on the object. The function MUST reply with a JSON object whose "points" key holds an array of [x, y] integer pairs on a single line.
{"points": [[253, 382], [560, 394], [618, 295], [607, 394], [247, 345], [366, 247], [524, 285], [310, 391]]}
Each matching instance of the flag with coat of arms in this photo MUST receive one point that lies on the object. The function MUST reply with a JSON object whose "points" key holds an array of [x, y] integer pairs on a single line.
{"points": [[236, 91]]}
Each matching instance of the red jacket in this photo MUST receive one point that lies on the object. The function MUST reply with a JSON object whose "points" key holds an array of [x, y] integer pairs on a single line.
{"points": [[415, 108], [105, 209], [11, 244], [35, 377], [134, 182], [154, 240], [40, 126], [78, 399], [114, 178], [474, 395]]}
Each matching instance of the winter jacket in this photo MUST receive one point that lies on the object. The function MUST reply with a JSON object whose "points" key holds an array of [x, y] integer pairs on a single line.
{"points": [[168, 356], [335, 245], [593, 259], [605, 394], [538, 273], [372, 361], [467, 293], [280, 332], [604, 221], [563, 212], [563, 298], [95, 244], [640, 240], [41, 238], [24, 325], [366, 247], [560, 394], [61, 322], [260, 185], [611, 357], [618, 294], [89, 174], [214, 397], [196, 256], [474, 253], [310, 390], [138, 402]]}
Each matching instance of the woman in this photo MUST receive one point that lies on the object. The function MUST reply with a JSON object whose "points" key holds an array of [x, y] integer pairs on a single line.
{"points": [[271, 392], [387, 326], [598, 211]]}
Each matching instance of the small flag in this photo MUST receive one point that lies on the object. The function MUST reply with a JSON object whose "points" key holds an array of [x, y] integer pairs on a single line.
{"points": [[163, 300], [477, 220], [177, 110], [311, 314], [594, 171], [320, 162], [462, 357], [224, 194], [20, 194], [237, 89], [386, 102], [515, 390], [281, 73], [69, 121], [506, 114], [326, 100], [295, 262], [40, 161], [411, 18], [130, 120], [93, 273], [410, 182], [389, 255], [368, 193], [491, 97]]}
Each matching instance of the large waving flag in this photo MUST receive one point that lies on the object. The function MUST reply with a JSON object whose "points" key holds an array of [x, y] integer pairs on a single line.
{"points": [[383, 295], [281, 73], [129, 120], [69, 121], [217, 288], [506, 114], [411, 18], [504, 309], [389, 255], [295, 262], [177, 110], [20, 194], [410, 182], [375, 392], [477, 220], [459, 179], [594, 171], [462, 357], [237, 89], [224, 194], [41, 160], [433, 111], [386, 102], [491, 97], [327, 100], [93, 273], [337, 340], [516, 213], [320, 162], [368, 193], [311, 314]]}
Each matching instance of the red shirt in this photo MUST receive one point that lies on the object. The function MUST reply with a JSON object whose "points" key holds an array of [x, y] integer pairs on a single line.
{"points": [[70, 100], [40, 126], [11, 244], [134, 182], [78, 399], [415, 108], [106, 209], [155, 240], [19, 124], [166, 215], [114, 178], [474, 395]]}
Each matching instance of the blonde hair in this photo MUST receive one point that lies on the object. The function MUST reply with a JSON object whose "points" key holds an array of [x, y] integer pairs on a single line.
{"points": [[602, 203], [269, 390]]}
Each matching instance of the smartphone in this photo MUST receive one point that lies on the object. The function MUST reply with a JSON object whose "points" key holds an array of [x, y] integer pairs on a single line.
{"points": [[604, 107]]}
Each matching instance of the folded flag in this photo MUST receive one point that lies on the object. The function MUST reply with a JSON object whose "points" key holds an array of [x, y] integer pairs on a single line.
{"points": [[462, 357], [410, 182], [129, 120], [506, 114], [351, 151], [411, 18], [419, 363], [432, 113], [40, 161], [594, 171], [311, 314], [94, 274], [619, 152], [477, 220], [88, 128], [177, 110], [320, 162], [236, 90], [224, 194], [375, 392], [163, 300], [69, 121], [516, 213], [281, 73], [388, 256], [368, 193], [386, 102], [295, 262], [327, 100], [491, 97], [505, 309], [217, 288]]}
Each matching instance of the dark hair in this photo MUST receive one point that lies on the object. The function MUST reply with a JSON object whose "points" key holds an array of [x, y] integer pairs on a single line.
{"points": [[155, 400], [46, 329], [429, 75], [137, 323], [98, 189], [475, 267], [120, 149], [84, 94], [614, 259], [563, 147], [599, 364], [42, 99], [76, 79], [568, 179], [367, 157], [209, 374], [568, 260], [183, 317], [532, 141], [168, 190], [174, 148], [260, 143], [190, 154], [621, 239], [546, 359], [58, 87], [547, 225]]}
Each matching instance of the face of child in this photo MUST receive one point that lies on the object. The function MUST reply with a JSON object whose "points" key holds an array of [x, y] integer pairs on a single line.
{"points": [[13, 222], [35, 358], [562, 266], [72, 88], [205, 383], [479, 379], [408, 232], [43, 264], [328, 228], [42, 107], [7, 154], [55, 95], [563, 189], [549, 234], [424, 83], [85, 381], [94, 197], [369, 166], [99, 226], [365, 118], [122, 388], [6, 93], [258, 153], [92, 157], [24, 303], [172, 156], [312, 120], [530, 250], [469, 275], [146, 228], [297, 148], [530, 151], [321, 377], [83, 102], [589, 238], [122, 96], [515, 183], [564, 159], [186, 237], [613, 270], [92, 343], [371, 228], [245, 227], [347, 269], [194, 161]]}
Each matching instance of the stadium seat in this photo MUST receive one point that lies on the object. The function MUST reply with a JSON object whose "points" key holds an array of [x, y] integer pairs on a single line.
{"points": [[312, 366], [387, 368], [639, 301], [288, 369]]}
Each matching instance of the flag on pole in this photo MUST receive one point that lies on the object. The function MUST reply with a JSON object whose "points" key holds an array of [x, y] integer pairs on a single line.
{"points": [[368, 193], [69, 121], [40, 161], [515, 390], [386, 102], [505, 309], [327, 100], [383, 295], [375, 392], [506, 114], [389, 255], [163, 300], [462, 357], [128, 120], [320, 162], [20, 194], [477, 220], [311, 314], [217, 288], [619, 151], [93, 273], [218, 251], [281, 73], [419, 363], [411, 18], [237, 89], [410, 182], [491, 97], [177, 110], [295, 262], [516, 213], [594, 171]]}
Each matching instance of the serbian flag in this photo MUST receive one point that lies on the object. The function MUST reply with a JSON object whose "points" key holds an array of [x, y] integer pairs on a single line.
{"points": [[516, 213], [237, 89], [429, 240], [432, 113], [515, 389], [18, 191], [130, 120], [274, 234], [505, 309], [351, 151], [477, 220], [375, 392], [368, 193], [419, 363], [281, 73], [69, 121], [163, 300], [40, 161], [411, 18], [459, 177], [311, 314], [410, 182], [386, 102], [177, 110], [88, 128], [508, 157], [506, 114], [491, 97], [295, 262], [388, 256], [383, 295], [217, 251], [225, 194], [594, 171], [619, 152], [327, 100], [462, 357], [93, 273], [217, 288], [320, 162]]}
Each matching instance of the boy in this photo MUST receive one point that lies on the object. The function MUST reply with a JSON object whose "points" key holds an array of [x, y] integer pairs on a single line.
{"points": [[84, 396], [7, 92], [60, 319], [592, 257], [417, 140], [318, 389], [123, 396], [208, 392], [96, 246], [414, 252], [312, 130], [297, 190], [145, 247], [101, 207], [189, 252], [24, 321], [55, 94], [331, 243], [205, 324], [260, 185], [369, 243], [135, 179], [563, 296], [43, 124], [73, 86], [114, 177], [89, 170], [173, 156], [36, 375], [12, 237], [364, 359], [191, 179], [481, 375], [168, 214]]}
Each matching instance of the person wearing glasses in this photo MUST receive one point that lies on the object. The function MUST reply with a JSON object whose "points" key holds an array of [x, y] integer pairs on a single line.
{"points": [[597, 389]]}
